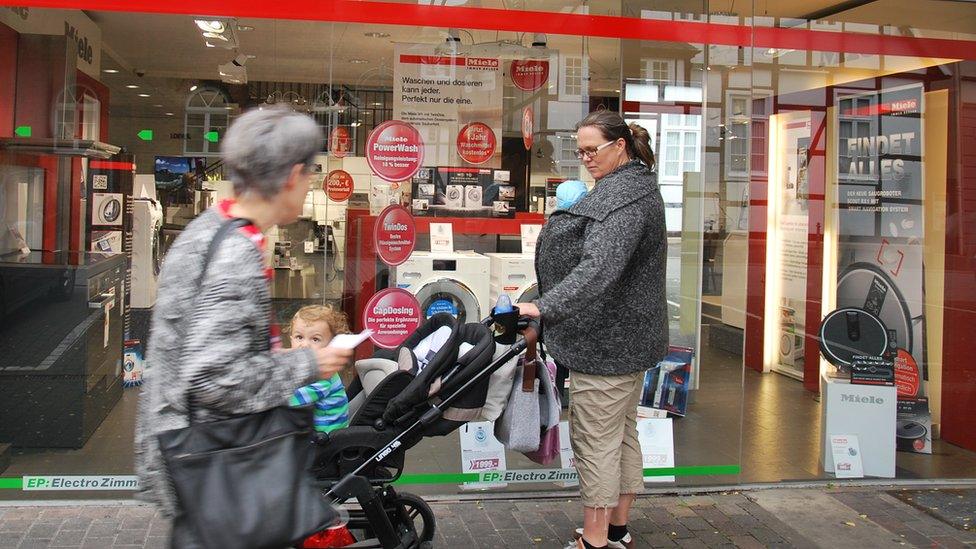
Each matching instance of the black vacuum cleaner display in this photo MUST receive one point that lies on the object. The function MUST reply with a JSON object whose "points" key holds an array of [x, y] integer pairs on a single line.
{"points": [[849, 332]]}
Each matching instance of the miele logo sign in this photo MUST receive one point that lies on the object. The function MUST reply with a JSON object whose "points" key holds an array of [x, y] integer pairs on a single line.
{"points": [[486, 63], [85, 50], [860, 399]]}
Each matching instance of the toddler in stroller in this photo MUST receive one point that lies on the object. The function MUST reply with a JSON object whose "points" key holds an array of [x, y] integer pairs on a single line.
{"points": [[413, 401]]}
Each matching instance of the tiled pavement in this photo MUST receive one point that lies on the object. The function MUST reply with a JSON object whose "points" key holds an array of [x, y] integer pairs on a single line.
{"points": [[731, 519]]}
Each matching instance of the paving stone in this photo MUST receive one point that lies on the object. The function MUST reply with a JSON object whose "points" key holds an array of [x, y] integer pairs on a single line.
{"points": [[68, 538], [765, 535], [15, 526], [657, 540], [692, 543], [41, 531], [98, 543], [681, 511], [102, 528], [490, 541], [10, 540], [695, 523], [949, 542], [157, 542], [747, 542], [136, 523], [131, 537], [75, 524]]}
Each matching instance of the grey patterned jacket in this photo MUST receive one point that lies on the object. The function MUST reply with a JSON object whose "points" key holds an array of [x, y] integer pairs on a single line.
{"points": [[601, 268], [211, 339]]}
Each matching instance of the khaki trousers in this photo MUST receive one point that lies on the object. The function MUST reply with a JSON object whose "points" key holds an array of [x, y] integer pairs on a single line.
{"points": [[603, 433]]}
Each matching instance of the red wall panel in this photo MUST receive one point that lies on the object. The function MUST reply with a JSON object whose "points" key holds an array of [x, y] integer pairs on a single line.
{"points": [[959, 362], [8, 79]]}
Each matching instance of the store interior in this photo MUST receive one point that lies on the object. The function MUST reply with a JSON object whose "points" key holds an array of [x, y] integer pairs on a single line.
{"points": [[152, 95]]}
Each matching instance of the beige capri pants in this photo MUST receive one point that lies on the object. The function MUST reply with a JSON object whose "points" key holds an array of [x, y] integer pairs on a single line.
{"points": [[603, 433]]}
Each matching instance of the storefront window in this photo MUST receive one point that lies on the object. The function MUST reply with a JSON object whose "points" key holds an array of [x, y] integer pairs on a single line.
{"points": [[817, 205]]}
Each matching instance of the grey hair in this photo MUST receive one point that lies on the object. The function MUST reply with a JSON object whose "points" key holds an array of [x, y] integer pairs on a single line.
{"points": [[263, 145]]}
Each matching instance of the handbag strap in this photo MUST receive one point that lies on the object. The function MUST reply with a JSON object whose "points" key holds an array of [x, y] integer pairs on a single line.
{"points": [[222, 232], [530, 363]]}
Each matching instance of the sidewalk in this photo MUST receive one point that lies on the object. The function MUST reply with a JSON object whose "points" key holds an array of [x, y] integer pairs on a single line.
{"points": [[780, 517]]}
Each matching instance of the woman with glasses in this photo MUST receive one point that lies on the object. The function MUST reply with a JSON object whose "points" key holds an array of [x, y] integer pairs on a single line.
{"points": [[601, 270]]}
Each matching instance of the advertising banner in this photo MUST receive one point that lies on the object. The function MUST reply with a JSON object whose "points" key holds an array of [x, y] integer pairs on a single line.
{"points": [[881, 229], [394, 235], [455, 102], [339, 185], [392, 315]]}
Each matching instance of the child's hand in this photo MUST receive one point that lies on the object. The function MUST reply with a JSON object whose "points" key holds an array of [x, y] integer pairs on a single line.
{"points": [[332, 360]]}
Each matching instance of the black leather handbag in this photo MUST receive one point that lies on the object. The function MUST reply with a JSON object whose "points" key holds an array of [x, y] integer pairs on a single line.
{"points": [[245, 482]]}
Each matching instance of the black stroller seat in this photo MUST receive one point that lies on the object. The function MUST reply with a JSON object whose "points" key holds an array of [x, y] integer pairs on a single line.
{"points": [[405, 396]]}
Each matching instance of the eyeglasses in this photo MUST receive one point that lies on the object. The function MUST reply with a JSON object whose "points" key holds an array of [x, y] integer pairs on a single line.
{"points": [[589, 155]]}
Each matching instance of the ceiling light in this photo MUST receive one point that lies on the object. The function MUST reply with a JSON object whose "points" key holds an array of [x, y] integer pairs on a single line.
{"points": [[215, 36], [110, 71], [377, 34], [158, 106], [132, 86], [169, 114], [355, 124], [377, 104], [193, 88], [143, 95], [210, 26], [245, 28], [234, 72], [358, 61]]}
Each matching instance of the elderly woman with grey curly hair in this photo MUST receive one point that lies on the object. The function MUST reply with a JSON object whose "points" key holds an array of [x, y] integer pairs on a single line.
{"points": [[212, 337]]}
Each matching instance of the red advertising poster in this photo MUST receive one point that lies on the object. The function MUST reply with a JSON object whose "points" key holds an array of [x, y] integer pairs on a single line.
{"points": [[527, 130], [392, 314], [476, 143], [340, 142], [529, 75], [338, 185], [908, 379], [395, 151], [394, 235]]}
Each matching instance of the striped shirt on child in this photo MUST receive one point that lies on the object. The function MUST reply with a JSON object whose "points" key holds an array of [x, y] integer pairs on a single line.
{"points": [[331, 403]]}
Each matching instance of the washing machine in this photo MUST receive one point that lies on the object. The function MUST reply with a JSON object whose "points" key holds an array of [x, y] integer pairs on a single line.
{"points": [[454, 196], [107, 209], [455, 282], [513, 274], [147, 227]]}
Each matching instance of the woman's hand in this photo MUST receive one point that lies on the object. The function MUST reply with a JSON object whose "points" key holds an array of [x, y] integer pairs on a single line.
{"points": [[332, 360], [528, 309]]}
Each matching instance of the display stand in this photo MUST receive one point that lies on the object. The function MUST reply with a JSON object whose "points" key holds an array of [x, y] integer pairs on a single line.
{"points": [[364, 273], [867, 411]]}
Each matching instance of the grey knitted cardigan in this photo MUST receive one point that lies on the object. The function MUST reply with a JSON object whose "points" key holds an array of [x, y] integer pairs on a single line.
{"points": [[211, 339], [601, 270]]}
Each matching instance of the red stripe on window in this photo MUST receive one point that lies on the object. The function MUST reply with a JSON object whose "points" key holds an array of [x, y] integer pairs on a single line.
{"points": [[391, 13]]}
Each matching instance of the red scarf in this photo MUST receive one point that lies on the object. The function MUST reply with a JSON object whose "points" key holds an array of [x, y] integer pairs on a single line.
{"points": [[261, 243]]}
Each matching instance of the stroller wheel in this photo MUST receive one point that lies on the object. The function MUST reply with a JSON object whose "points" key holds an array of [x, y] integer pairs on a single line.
{"points": [[416, 510]]}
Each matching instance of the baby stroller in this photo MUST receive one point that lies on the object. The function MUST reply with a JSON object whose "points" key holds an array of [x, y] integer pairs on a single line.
{"points": [[415, 401]]}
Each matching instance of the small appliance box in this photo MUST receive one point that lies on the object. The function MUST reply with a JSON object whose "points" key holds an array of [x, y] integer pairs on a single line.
{"points": [[666, 384], [132, 367], [914, 426], [422, 192]]}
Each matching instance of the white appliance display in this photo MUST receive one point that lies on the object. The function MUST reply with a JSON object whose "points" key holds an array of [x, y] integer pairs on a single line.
{"points": [[147, 226], [454, 196], [107, 209], [513, 274], [472, 196], [456, 282]]}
